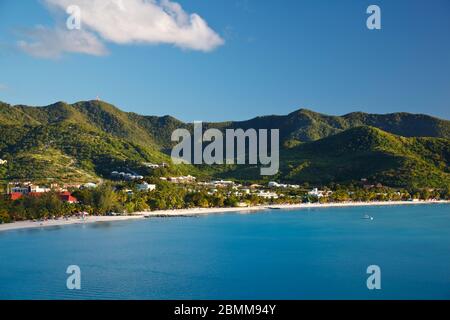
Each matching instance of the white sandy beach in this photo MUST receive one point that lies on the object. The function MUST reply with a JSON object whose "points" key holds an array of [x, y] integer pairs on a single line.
{"points": [[198, 212], [63, 222]]}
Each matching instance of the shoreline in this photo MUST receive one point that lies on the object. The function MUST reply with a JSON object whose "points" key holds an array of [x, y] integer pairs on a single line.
{"points": [[200, 212]]}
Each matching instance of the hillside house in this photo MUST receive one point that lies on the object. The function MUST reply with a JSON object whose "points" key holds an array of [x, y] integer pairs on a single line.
{"points": [[145, 187]]}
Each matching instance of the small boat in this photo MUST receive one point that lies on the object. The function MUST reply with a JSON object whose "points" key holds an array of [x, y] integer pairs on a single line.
{"points": [[367, 217]]}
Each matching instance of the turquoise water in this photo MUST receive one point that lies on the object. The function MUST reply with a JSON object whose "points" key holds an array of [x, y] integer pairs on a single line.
{"points": [[299, 254]]}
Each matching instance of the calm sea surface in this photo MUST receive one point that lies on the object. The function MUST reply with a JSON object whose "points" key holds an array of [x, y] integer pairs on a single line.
{"points": [[299, 254]]}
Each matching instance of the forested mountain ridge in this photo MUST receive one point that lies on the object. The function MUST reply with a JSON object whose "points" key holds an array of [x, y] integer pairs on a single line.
{"points": [[86, 140]]}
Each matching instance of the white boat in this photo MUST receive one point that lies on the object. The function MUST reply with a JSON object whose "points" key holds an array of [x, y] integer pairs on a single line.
{"points": [[367, 217]]}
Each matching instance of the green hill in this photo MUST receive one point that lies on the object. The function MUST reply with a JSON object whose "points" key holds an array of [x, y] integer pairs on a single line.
{"points": [[305, 125], [87, 140], [38, 152], [367, 152]]}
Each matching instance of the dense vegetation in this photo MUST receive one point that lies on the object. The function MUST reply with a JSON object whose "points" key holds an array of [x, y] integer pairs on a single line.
{"points": [[370, 153], [85, 141], [117, 198]]}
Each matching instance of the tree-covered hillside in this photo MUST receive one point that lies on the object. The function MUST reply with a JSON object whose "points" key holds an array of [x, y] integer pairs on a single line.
{"points": [[87, 140], [370, 153]]}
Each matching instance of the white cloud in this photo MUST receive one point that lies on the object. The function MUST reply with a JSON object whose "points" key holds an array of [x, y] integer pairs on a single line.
{"points": [[51, 43], [122, 22]]}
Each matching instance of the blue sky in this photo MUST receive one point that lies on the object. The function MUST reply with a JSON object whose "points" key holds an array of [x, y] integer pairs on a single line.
{"points": [[276, 57]]}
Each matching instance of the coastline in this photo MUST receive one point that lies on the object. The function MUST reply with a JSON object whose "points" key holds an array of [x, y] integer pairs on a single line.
{"points": [[200, 212]]}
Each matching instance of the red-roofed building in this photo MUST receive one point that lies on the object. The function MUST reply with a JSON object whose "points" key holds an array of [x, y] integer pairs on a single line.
{"points": [[67, 197], [15, 195], [64, 196]]}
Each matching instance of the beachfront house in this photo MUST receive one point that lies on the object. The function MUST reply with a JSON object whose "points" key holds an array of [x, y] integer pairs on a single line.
{"points": [[64, 196], [267, 195], [316, 193], [67, 197]]}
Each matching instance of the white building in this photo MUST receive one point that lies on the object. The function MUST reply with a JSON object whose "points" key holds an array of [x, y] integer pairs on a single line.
{"points": [[155, 166], [182, 179], [316, 192], [273, 184], [38, 189], [126, 176], [145, 187], [90, 185], [29, 189], [19, 189], [223, 183], [267, 195], [151, 165]]}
